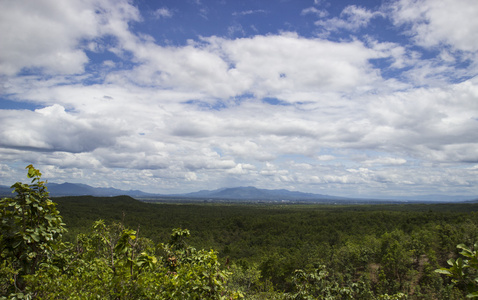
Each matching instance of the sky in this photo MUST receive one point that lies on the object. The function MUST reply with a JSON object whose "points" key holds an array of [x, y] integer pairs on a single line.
{"points": [[361, 98]]}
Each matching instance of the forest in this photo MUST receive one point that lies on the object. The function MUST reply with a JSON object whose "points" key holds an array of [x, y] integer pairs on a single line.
{"points": [[121, 248]]}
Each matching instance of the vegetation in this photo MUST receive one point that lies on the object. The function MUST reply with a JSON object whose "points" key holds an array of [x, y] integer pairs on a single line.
{"points": [[464, 271], [265, 251], [108, 262]]}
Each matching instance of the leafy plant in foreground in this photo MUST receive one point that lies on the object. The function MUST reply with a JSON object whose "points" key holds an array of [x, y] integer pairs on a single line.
{"points": [[110, 262], [29, 227], [464, 270]]}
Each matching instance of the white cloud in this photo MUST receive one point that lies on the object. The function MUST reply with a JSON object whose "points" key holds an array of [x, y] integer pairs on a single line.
{"points": [[236, 29], [430, 123], [248, 12], [385, 161], [273, 170], [178, 118], [241, 169], [247, 150], [162, 12], [53, 129], [272, 66], [435, 22], [314, 11], [269, 65], [191, 176], [400, 56], [49, 35], [352, 18], [326, 157], [414, 123]]}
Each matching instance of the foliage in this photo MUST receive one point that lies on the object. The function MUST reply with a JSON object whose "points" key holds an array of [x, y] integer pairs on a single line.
{"points": [[464, 270], [391, 249], [30, 225], [111, 261], [320, 285], [270, 251]]}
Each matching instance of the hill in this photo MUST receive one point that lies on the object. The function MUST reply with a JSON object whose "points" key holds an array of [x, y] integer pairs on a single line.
{"points": [[77, 189], [235, 193], [253, 193], [5, 190], [248, 194]]}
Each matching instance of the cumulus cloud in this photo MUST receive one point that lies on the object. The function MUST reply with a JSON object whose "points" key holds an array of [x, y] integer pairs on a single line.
{"points": [[428, 121], [49, 35], [431, 23], [280, 66], [352, 18], [275, 110], [241, 169], [269, 65], [53, 129]]}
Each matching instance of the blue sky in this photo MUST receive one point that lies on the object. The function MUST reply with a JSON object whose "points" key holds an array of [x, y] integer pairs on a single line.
{"points": [[348, 98]]}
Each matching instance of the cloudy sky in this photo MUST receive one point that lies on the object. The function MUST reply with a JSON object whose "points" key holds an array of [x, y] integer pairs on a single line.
{"points": [[345, 97]]}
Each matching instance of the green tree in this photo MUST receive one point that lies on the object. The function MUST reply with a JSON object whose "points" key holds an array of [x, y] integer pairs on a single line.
{"points": [[464, 270], [111, 262], [319, 284], [29, 227], [396, 262]]}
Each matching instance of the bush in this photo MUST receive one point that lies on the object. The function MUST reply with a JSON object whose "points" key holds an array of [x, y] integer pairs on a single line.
{"points": [[110, 262]]}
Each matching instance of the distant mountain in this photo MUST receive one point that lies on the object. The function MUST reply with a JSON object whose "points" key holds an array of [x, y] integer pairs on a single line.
{"points": [[5, 190], [234, 193], [253, 193], [78, 189]]}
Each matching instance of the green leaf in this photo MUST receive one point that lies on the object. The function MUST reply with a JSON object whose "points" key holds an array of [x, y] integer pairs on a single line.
{"points": [[35, 236], [444, 271]]}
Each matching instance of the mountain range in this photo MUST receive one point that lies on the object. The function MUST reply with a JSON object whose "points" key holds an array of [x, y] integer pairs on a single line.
{"points": [[78, 189], [253, 193], [233, 193]]}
